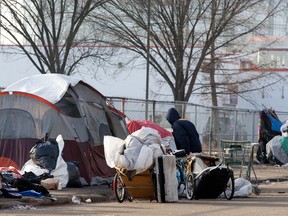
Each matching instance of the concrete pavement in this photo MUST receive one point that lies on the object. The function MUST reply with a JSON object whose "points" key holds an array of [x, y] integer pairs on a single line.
{"points": [[87, 194], [272, 179]]}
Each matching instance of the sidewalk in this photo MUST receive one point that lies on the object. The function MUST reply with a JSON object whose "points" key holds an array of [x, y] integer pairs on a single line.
{"points": [[267, 175], [87, 194]]}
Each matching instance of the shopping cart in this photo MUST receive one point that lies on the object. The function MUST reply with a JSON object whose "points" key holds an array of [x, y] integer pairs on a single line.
{"points": [[240, 155], [247, 167]]}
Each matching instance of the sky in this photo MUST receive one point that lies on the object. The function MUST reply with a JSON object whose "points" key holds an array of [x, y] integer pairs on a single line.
{"points": [[129, 84], [14, 69], [132, 85]]}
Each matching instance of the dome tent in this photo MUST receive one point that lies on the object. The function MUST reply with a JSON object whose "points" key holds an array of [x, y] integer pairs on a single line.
{"points": [[56, 104]]}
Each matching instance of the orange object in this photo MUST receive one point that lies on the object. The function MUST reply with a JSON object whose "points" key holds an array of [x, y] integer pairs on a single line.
{"points": [[8, 164]]}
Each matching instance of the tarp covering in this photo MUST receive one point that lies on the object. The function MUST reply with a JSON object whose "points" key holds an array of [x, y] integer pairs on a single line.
{"points": [[52, 88], [269, 127], [135, 125], [275, 152]]}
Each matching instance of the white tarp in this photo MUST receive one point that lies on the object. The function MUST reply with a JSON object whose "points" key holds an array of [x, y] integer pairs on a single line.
{"points": [[41, 85]]}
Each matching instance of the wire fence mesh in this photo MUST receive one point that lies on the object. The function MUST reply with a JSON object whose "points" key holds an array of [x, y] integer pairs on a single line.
{"points": [[233, 123]]}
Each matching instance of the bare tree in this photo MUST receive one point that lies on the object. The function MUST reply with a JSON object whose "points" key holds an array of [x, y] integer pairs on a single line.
{"points": [[50, 33], [182, 33]]}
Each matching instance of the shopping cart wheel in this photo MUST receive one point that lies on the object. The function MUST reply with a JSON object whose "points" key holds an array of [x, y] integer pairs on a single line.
{"points": [[119, 188], [130, 198], [256, 190], [230, 187], [190, 186]]}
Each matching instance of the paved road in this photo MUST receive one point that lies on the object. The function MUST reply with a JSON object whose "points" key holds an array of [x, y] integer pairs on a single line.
{"points": [[272, 201]]}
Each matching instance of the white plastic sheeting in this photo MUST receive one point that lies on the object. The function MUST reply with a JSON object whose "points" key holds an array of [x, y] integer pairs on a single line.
{"points": [[43, 88], [136, 152]]}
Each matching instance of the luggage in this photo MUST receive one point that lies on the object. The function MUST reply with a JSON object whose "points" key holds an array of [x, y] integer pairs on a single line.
{"points": [[166, 181]]}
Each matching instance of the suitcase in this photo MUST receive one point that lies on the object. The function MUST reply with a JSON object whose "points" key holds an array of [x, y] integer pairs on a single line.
{"points": [[166, 179]]}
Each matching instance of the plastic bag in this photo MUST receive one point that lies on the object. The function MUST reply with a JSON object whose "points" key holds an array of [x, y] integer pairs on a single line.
{"points": [[45, 154], [243, 187], [60, 172], [51, 184], [74, 175], [112, 146]]}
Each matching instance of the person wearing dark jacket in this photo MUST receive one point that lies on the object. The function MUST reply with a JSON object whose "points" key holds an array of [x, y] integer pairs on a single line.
{"points": [[184, 132]]}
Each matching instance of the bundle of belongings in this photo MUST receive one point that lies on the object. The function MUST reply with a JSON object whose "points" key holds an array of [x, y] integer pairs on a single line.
{"points": [[16, 185], [269, 127], [46, 158], [44, 171], [136, 153], [277, 148]]}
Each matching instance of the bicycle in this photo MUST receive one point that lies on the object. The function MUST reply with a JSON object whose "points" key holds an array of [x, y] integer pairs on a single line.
{"points": [[181, 170]]}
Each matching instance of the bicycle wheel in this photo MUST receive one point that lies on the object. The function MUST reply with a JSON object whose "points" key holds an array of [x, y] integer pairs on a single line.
{"points": [[119, 188], [190, 186], [230, 187]]}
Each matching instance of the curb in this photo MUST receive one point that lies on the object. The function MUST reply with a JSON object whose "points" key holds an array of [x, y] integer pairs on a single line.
{"points": [[265, 181], [31, 202]]}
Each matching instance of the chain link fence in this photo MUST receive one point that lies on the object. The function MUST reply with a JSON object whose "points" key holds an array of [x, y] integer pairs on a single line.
{"points": [[233, 124]]}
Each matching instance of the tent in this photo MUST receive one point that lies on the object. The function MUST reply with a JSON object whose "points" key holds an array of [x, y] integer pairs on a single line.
{"points": [[54, 104], [134, 125]]}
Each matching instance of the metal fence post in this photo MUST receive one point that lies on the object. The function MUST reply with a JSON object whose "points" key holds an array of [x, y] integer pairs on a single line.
{"points": [[123, 105], [210, 132], [235, 125], [153, 110]]}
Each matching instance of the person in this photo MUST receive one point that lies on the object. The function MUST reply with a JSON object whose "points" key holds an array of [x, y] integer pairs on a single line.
{"points": [[184, 132]]}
